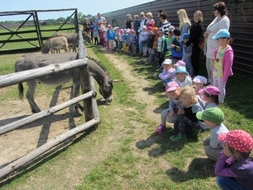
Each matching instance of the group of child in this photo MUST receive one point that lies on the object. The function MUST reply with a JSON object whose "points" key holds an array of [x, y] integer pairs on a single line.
{"points": [[194, 106]]}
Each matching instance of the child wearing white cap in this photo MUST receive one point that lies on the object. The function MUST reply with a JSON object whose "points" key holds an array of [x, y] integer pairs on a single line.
{"points": [[168, 73], [198, 83]]}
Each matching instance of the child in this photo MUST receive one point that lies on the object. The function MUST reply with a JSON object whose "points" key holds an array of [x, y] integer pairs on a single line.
{"points": [[210, 99], [124, 40], [210, 96], [187, 120], [182, 77], [153, 54], [134, 41], [234, 168], [161, 47], [110, 35], [198, 82], [170, 114], [143, 39], [176, 46], [187, 54], [213, 118], [150, 41], [224, 57], [95, 35], [168, 73], [119, 38], [169, 40]]}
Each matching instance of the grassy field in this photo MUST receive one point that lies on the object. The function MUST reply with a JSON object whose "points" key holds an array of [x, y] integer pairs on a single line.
{"points": [[25, 44], [125, 153]]}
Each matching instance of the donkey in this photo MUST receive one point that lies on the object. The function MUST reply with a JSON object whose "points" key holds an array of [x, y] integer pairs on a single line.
{"points": [[31, 61], [71, 37], [86, 37], [55, 44]]}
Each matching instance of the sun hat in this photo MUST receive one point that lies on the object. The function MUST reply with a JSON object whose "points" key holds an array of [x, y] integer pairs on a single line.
{"points": [[132, 31], [181, 69], [222, 33], [186, 36], [176, 32], [167, 62], [200, 79], [180, 63], [213, 114], [168, 54], [144, 27], [171, 86], [239, 140], [211, 90], [109, 26]]}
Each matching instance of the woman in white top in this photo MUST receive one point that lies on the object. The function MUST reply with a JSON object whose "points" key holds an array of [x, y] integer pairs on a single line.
{"points": [[221, 21]]}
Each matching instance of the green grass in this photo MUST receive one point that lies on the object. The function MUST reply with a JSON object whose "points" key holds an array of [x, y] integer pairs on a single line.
{"points": [[137, 158]]}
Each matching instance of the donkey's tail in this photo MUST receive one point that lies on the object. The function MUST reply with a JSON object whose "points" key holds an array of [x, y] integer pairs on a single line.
{"points": [[20, 91]]}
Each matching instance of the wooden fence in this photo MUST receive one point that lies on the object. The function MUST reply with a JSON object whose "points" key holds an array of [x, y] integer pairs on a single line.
{"points": [[91, 112]]}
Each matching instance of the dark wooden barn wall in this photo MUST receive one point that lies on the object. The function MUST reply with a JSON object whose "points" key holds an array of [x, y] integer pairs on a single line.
{"points": [[241, 24]]}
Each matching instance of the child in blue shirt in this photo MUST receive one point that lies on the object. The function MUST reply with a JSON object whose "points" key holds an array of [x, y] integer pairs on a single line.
{"points": [[176, 46]]}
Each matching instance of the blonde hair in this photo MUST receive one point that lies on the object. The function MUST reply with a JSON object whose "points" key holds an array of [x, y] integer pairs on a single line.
{"points": [[190, 91], [136, 16], [149, 14], [183, 18], [200, 15], [129, 16]]}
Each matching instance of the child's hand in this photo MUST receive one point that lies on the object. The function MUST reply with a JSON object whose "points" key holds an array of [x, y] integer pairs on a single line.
{"points": [[226, 152], [180, 111], [171, 114]]}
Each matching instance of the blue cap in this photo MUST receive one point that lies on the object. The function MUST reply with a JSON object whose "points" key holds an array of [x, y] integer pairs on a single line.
{"points": [[186, 36], [222, 33], [181, 69]]}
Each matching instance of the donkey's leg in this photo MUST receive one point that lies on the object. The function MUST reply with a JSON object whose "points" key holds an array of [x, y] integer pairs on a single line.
{"points": [[32, 84], [76, 89]]}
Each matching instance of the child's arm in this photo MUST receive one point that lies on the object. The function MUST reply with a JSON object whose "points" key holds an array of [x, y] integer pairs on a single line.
{"points": [[227, 64], [221, 168]]}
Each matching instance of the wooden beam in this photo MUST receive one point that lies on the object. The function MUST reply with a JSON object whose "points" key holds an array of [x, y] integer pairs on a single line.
{"points": [[22, 76]]}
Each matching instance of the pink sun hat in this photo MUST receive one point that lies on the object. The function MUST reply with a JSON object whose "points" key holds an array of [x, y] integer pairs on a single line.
{"points": [[211, 90], [239, 140], [170, 86], [180, 63]]}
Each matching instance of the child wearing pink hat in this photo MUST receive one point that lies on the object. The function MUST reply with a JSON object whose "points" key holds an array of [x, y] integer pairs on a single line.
{"points": [[198, 82], [234, 168], [170, 114]]}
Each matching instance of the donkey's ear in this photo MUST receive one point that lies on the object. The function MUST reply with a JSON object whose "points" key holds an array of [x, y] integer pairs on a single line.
{"points": [[117, 80]]}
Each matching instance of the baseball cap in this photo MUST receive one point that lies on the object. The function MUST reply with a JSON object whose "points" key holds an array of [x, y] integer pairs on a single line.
{"points": [[186, 36], [200, 79], [239, 140], [168, 54], [171, 28], [150, 27], [211, 90], [167, 62], [160, 30], [222, 33], [170, 86], [181, 69], [213, 114]]}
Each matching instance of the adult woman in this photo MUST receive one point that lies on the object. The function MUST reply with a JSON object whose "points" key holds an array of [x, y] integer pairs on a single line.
{"points": [[184, 21], [221, 21], [150, 20], [129, 22], [196, 33], [136, 24]]}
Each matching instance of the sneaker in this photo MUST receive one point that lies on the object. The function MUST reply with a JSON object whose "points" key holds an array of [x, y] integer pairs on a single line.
{"points": [[160, 128], [178, 137]]}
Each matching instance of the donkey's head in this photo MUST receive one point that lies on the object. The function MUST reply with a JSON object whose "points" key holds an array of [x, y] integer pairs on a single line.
{"points": [[105, 89]]}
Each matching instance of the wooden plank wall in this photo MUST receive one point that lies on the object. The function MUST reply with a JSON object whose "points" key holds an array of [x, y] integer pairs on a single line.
{"points": [[241, 24]]}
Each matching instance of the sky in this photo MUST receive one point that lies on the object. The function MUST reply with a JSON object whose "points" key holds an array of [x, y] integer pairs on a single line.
{"points": [[85, 6]]}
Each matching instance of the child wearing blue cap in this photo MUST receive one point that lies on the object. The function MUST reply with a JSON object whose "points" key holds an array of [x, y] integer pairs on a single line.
{"points": [[187, 54], [182, 77], [223, 61]]}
